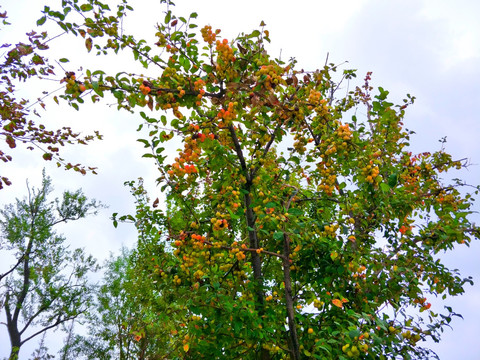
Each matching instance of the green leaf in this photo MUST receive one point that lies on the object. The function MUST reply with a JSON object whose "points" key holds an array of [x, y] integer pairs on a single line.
{"points": [[295, 159], [41, 21], [64, 60], [255, 33], [118, 94], [86, 7], [168, 17], [295, 211], [184, 62], [233, 215], [144, 142], [271, 204], [383, 94], [392, 180], [278, 235], [96, 88], [354, 333], [384, 187], [63, 26]]}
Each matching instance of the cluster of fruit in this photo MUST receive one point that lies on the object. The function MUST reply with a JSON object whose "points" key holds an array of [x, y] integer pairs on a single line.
{"points": [[208, 35], [271, 76], [227, 115], [370, 172], [354, 351], [199, 85], [219, 224], [225, 59]]}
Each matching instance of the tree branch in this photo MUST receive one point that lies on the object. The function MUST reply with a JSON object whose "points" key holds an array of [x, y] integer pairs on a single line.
{"points": [[238, 150], [13, 268], [58, 322]]}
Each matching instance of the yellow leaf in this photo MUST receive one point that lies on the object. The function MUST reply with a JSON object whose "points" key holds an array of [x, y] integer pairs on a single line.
{"points": [[337, 303]]}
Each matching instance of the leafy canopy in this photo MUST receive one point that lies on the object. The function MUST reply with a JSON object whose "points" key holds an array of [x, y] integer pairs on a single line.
{"points": [[297, 223]]}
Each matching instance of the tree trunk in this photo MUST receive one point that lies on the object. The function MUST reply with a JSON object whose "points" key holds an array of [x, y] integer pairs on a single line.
{"points": [[15, 341], [12, 320], [12, 327], [292, 326], [256, 264], [252, 235]]}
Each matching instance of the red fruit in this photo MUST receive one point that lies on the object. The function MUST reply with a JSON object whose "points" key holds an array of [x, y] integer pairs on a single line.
{"points": [[145, 89]]}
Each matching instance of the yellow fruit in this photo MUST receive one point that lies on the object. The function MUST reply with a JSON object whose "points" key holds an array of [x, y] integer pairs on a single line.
{"points": [[363, 347], [310, 331]]}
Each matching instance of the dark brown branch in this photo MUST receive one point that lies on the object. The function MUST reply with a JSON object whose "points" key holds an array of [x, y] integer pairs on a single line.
{"points": [[56, 323], [295, 350], [13, 268], [287, 279], [238, 150], [267, 148]]}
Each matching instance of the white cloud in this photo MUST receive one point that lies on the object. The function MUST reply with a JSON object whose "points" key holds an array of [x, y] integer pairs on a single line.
{"points": [[461, 36]]}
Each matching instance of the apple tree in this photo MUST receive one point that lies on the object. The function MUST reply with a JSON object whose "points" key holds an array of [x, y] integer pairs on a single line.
{"points": [[296, 221]]}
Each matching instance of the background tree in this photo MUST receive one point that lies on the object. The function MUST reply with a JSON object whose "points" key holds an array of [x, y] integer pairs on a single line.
{"points": [[19, 63], [41, 352], [110, 334], [127, 320], [48, 285], [288, 200]]}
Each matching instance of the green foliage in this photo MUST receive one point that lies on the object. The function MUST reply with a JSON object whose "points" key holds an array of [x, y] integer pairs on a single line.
{"points": [[47, 285], [109, 318], [291, 229]]}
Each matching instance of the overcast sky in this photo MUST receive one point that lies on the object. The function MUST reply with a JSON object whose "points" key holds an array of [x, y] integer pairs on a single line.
{"points": [[430, 49]]}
